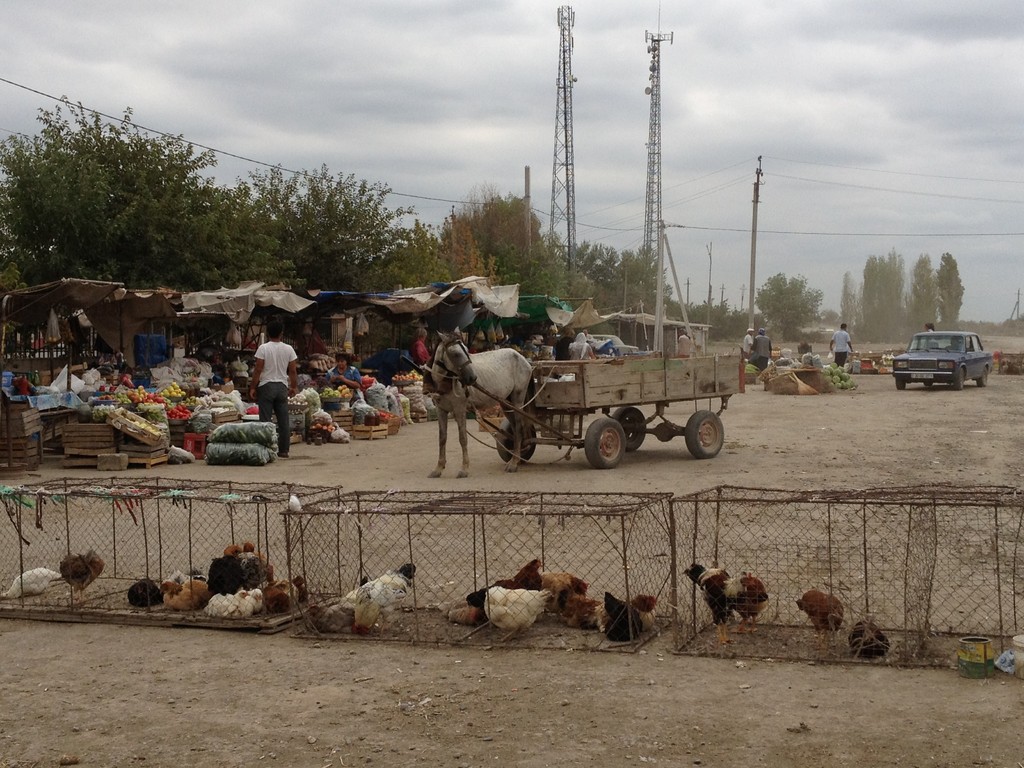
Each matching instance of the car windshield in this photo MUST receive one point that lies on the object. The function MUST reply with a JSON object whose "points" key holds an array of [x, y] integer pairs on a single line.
{"points": [[936, 342]]}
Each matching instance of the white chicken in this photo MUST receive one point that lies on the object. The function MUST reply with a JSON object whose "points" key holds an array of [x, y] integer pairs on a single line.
{"points": [[514, 610], [377, 600], [30, 583], [240, 605]]}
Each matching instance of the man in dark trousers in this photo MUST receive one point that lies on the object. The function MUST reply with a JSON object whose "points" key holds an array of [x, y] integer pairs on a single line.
{"points": [[274, 381]]}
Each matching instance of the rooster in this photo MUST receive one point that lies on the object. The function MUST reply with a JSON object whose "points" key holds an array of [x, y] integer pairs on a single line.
{"points": [[753, 599], [225, 576], [255, 570], [528, 577], [378, 599], [721, 593], [33, 582], [867, 640], [825, 612], [513, 610], [622, 622], [80, 571]]}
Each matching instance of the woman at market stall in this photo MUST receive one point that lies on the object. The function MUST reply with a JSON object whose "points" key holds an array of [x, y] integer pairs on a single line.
{"points": [[418, 349], [345, 373]]}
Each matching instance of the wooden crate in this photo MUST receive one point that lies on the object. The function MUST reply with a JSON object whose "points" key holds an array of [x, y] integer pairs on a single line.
{"points": [[27, 451], [21, 421], [363, 432], [343, 418], [137, 427], [90, 439], [226, 416], [393, 426]]}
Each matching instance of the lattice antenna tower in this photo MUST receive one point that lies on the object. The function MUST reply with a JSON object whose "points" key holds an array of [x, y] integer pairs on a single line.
{"points": [[652, 212], [563, 181]]}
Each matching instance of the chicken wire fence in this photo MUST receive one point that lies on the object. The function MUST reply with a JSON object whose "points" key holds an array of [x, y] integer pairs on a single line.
{"points": [[925, 564], [141, 531], [462, 542]]}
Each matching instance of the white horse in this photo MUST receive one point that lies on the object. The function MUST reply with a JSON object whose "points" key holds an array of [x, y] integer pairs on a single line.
{"points": [[504, 373]]}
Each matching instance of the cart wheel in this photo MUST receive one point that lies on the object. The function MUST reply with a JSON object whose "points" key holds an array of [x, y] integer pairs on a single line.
{"points": [[604, 443], [506, 441], [704, 435], [633, 424]]}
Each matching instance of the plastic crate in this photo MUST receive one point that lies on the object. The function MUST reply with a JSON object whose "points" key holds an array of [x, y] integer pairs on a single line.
{"points": [[195, 443]]}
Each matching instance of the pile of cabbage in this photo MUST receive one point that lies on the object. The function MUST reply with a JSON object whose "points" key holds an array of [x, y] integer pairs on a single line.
{"points": [[838, 376]]}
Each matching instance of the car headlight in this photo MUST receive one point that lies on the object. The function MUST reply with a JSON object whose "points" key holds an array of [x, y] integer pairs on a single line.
{"points": [[945, 365], [902, 364]]}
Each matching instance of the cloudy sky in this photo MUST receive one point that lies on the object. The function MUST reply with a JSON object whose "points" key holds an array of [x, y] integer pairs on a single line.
{"points": [[882, 126]]}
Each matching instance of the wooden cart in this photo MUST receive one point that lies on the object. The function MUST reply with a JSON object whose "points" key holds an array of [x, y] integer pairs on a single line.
{"points": [[566, 392]]}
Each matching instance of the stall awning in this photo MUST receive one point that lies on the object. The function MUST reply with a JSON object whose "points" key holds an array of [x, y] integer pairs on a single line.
{"points": [[238, 303], [32, 305]]}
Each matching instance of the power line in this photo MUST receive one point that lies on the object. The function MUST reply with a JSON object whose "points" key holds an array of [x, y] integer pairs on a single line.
{"points": [[895, 173], [897, 191], [849, 234]]}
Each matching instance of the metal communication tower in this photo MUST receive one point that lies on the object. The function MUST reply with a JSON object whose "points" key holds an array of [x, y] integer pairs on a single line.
{"points": [[652, 213], [563, 182]]}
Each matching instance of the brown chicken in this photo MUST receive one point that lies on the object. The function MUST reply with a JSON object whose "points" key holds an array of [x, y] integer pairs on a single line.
{"points": [[825, 612], [753, 599], [282, 596], [528, 578], [80, 571], [579, 610], [193, 595], [561, 584]]}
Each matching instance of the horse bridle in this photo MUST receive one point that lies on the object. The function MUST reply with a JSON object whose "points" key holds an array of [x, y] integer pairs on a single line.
{"points": [[439, 358]]}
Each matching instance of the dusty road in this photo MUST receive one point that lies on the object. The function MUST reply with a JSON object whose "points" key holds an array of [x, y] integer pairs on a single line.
{"points": [[169, 697]]}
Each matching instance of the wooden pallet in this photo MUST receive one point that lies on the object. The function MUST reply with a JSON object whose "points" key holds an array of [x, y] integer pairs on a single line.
{"points": [[363, 432], [70, 462], [147, 461]]}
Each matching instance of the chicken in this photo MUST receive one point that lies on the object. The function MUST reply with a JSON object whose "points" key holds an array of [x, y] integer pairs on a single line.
{"points": [[528, 577], [282, 596], [721, 593], [225, 576], [255, 570], [825, 612], [193, 595], [33, 582], [80, 571], [513, 610], [377, 599], [464, 613], [867, 640], [145, 593], [241, 605], [753, 599], [622, 622], [579, 611], [560, 584], [332, 618]]}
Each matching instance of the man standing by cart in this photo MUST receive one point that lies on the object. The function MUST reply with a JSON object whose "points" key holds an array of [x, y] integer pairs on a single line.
{"points": [[841, 345], [274, 380]]}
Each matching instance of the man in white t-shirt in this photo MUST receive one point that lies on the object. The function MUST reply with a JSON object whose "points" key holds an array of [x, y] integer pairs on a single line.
{"points": [[748, 344], [841, 345], [684, 345], [274, 380]]}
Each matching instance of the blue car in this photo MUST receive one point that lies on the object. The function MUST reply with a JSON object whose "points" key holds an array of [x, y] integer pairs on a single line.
{"points": [[943, 357]]}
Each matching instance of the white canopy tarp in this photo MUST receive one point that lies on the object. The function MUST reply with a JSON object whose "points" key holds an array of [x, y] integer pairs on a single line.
{"points": [[238, 303]]}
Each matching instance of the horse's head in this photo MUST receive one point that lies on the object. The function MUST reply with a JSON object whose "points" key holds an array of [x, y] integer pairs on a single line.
{"points": [[452, 357]]}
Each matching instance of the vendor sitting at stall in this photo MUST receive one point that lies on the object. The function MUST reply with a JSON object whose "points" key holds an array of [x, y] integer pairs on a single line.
{"points": [[344, 373]]}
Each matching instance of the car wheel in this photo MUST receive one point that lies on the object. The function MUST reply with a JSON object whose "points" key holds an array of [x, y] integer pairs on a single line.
{"points": [[633, 424], [901, 384], [958, 379], [982, 381], [704, 435]]}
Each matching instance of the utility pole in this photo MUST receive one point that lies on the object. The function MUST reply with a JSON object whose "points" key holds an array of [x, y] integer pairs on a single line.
{"points": [[753, 244], [709, 283], [527, 215], [722, 299], [687, 290], [743, 295]]}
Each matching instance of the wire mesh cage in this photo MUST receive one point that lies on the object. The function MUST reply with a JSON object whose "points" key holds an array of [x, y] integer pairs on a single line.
{"points": [[914, 568], [465, 542], [118, 534]]}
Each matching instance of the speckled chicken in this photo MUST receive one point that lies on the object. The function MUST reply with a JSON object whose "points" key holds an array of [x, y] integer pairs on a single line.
{"points": [[80, 571]]}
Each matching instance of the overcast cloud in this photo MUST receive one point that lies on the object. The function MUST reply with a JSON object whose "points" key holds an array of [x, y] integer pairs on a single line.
{"points": [[882, 125]]}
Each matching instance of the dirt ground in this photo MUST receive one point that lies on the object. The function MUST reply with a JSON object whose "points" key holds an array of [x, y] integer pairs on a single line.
{"points": [[129, 696]]}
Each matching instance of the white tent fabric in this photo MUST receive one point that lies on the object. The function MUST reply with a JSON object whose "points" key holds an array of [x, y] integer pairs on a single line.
{"points": [[239, 303]]}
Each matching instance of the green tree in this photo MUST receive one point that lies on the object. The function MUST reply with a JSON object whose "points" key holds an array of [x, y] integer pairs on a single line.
{"points": [[336, 231], [950, 291], [788, 305], [849, 302], [882, 300], [93, 199], [923, 302], [415, 261]]}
